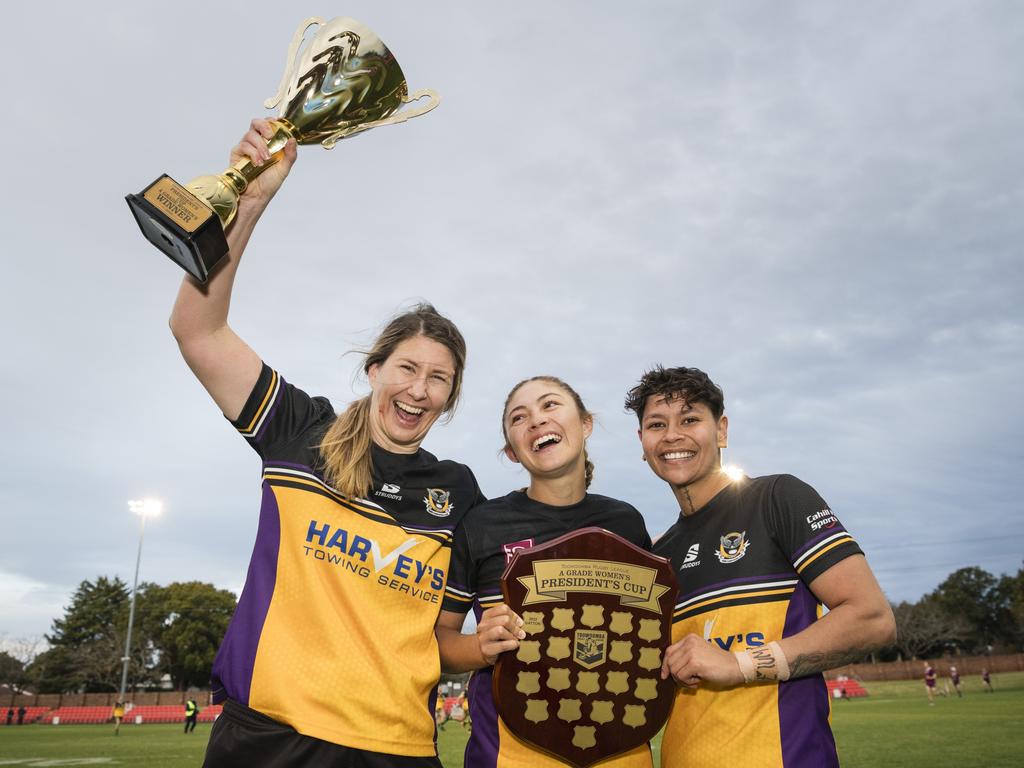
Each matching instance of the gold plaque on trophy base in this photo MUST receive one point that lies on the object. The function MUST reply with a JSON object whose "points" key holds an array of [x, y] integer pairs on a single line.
{"points": [[181, 225]]}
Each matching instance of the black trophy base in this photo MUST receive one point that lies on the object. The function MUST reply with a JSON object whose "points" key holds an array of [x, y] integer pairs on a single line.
{"points": [[180, 225]]}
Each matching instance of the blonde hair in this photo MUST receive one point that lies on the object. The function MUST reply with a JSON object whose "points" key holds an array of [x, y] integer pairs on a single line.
{"points": [[588, 465], [345, 447]]}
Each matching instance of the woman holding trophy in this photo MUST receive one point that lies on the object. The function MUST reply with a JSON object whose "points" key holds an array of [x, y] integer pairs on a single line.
{"points": [[334, 629], [545, 425]]}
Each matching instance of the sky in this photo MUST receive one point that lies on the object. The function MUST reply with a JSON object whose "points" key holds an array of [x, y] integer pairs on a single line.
{"points": [[818, 203]]}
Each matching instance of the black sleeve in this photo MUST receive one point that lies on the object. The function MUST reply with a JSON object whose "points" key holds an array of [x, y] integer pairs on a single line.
{"points": [[277, 413], [460, 589], [640, 535], [806, 529]]}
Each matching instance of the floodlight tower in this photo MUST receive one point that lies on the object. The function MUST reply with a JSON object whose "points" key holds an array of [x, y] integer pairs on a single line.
{"points": [[143, 508]]}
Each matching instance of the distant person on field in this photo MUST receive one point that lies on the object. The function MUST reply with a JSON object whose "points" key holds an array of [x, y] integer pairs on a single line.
{"points": [[954, 677], [10, 715], [191, 715], [440, 716], [986, 680], [21, 714], [467, 722], [929, 682], [118, 715]]}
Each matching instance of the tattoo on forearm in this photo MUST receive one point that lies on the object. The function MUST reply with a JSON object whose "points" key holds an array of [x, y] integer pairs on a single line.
{"points": [[810, 663]]}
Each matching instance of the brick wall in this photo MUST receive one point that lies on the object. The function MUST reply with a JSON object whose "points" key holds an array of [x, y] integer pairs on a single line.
{"points": [[914, 670]]}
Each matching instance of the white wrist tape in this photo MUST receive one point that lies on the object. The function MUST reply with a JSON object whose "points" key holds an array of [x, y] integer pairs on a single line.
{"points": [[763, 663], [780, 660], [746, 666]]}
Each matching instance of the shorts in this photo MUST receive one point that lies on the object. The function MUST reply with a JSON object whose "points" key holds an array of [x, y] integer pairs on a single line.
{"points": [[244, 738], [930, 683]]}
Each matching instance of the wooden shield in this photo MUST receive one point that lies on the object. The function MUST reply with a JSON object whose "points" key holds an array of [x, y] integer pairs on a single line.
{"points": [[586, 682]]}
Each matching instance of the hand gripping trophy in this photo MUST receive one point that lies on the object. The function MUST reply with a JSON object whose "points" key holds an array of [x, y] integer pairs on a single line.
{"points": [[344, 82]]}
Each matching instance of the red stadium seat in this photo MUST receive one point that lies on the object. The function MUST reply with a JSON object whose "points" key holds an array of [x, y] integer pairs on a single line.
{"points": [[845, 689], [164, 713]]}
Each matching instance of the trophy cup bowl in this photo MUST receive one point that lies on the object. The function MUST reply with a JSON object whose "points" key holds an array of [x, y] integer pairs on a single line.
{"points": [[344, 81]]}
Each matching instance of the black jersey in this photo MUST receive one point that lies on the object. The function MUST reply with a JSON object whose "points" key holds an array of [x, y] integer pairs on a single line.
{"points": [[745, 561], [485, 543]]}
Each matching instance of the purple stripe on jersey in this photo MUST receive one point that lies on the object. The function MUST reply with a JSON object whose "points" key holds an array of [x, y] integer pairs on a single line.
{"points": [[273, 408], [232, 669], [482, 748], [748, 580], [837, 528], [807, 740]]}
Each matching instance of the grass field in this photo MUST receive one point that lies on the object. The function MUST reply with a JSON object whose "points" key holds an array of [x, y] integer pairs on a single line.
{"points": [[894, 728]]}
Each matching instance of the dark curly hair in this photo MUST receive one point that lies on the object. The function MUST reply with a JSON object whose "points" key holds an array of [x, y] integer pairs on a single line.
{"points": [[691, 385]]}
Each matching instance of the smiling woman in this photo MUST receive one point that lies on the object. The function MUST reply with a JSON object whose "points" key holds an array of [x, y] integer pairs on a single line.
{"points": [[354, 538], [759, 559], [415, 372], [545, 425]]}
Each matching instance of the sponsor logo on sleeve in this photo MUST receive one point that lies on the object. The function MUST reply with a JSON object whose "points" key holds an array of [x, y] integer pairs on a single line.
{"points": [[822, 519], [438, 502], [732, 547]]}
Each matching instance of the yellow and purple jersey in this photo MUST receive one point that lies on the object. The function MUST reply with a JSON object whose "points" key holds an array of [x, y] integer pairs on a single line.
{"points": [[334, 629], [745, 561]]}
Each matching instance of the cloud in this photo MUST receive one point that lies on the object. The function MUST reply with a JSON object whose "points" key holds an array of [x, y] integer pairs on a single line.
{"points": [[818, 204]]}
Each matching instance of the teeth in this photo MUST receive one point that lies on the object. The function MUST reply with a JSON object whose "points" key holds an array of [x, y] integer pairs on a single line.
{"points": [[678, 455], [409, 408], [544, 440]]}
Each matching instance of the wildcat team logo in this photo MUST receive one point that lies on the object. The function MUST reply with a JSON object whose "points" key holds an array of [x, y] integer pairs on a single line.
{"points": [[732, 547], [438, 502]]}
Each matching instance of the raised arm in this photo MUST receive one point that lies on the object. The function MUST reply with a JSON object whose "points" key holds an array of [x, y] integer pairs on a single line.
{"points": [[859, 621], [499, 629], [224, 364]]}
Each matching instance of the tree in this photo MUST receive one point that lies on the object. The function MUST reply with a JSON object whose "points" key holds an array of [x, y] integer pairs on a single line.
{"points": [[186, 622], [12, 671], [972, 593], [1009, 594], [926, 626], [87, 643]]}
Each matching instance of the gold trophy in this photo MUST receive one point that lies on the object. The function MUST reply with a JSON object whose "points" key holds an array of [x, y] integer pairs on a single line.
{"points": [[345, 81]]}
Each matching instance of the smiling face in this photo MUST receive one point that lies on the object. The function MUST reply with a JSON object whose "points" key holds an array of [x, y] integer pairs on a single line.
{"points": [[545, 430], [410, 390], [681, 443]]}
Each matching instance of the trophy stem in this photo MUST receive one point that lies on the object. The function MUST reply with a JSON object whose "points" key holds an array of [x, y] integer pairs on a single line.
{"points": [[244, 171], [221, 191]]}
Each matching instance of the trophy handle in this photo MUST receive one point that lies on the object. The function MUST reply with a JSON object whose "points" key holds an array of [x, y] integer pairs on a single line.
{"points": [[290, 62], [433, 99]]}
